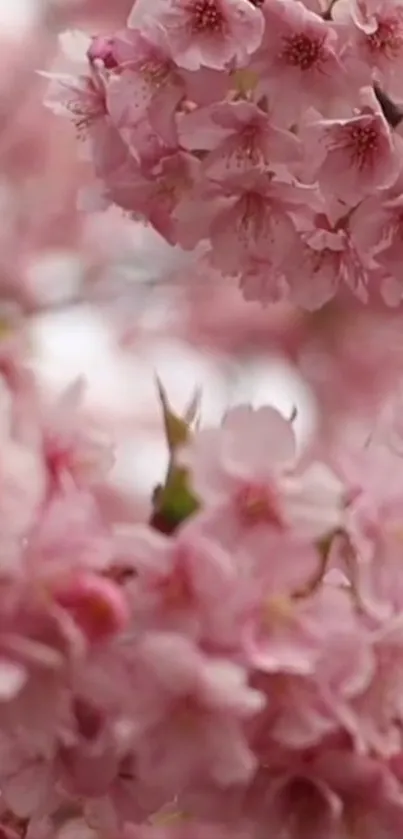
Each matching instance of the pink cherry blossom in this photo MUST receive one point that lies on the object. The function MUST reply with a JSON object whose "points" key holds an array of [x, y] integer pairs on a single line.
{"points": [[227, 465], [375, 33], [329, 257], [257, 206], [159, 201], [377, 228], [312, 690], [203, 704], [82, 100], [326, 795], [375, 721], [203, 33], [180, 583], [96, 605], [288, 635], [213, 648], [83, 453], [239, 138], [147, 84], [355, 156], [299, 55]]}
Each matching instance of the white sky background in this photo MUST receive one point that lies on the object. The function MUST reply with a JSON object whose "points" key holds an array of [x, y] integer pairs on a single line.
{"points": [[15, 14], [62, 359]]}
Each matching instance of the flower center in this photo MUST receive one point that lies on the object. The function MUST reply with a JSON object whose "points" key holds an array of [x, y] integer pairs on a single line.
{"points": [[387, 39], [155, 73], [363, 144], [206, 17], [302, 51], [258, 504]]}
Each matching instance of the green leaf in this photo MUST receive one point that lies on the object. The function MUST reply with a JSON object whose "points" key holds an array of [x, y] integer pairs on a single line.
{"points": [[178, 429], [173, 502], [177, 497]]}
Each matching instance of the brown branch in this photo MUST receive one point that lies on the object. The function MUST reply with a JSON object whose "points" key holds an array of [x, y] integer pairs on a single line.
{"points": [[392, 112]]}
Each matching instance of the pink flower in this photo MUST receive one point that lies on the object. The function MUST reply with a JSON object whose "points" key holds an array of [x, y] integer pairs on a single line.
{"points": [[147, 86], [96, 605], [238, 137], [93, 756], [229, 473], [355, 156], [26, 779], [180, 583], [373, 481], [84, 453], [375, 34], [82, 98], [377, 227], [69, 538], [263, 230], [371, 798], [254, 206], [329, 793], [298, 63], [204, 703], [313, 672], [241, 674], [202, 33], [290, 634], [158, 193], [29, 791], [375, 719], [328, 259]]}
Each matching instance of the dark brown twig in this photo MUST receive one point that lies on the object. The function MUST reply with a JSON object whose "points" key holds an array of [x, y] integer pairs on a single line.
{"points": [[392, 112]]}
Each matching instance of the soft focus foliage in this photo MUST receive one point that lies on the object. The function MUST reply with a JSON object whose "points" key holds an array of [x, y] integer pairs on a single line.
{"points": [[221, 655]]}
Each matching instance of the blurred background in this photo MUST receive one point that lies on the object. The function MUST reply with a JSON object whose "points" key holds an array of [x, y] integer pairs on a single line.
{"points": [[94, 291]]}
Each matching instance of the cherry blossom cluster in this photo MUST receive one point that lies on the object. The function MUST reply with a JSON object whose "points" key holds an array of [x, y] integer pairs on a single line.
{"points": [[224, 661], [229, 666], [260, 136]]}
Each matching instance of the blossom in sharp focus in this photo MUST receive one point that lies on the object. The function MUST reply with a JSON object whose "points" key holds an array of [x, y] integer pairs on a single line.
{"points": [[203, 33], [298, 64], [356, 156]]}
